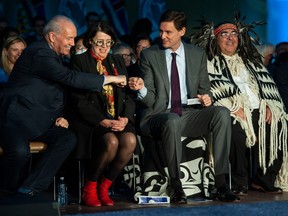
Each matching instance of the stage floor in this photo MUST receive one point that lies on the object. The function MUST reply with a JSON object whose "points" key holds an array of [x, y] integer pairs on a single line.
{"points": [[123, 203]]}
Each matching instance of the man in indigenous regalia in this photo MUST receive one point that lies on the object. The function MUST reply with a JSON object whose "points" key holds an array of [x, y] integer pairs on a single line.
{"points": [[240, 82]]}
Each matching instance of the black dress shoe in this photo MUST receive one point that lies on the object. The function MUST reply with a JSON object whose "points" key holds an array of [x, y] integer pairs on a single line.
{"points": [[177, 196], [224, 194], [240, 190], [272, 190]]}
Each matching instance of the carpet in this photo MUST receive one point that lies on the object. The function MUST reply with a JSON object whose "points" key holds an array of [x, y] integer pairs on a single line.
{"points": [[279, 208]]}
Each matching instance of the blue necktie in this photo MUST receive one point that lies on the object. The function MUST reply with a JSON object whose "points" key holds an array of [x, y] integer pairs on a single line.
{"points": [[176, 105]]}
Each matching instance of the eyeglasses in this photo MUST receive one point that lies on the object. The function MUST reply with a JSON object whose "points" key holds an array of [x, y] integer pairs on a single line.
{"points": [[101, 43], [233, 34], [139, 47], [127, 55]]}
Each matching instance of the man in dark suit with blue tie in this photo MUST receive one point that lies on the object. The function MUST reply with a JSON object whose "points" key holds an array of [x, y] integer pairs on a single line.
{"points": [[32, 107], [169, 109]]}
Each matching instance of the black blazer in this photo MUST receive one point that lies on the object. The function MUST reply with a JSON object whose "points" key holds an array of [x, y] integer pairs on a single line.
{"points": [[35, 93], [88, 109]]}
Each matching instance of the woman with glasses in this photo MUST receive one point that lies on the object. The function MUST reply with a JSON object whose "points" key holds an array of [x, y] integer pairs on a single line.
{"points": [[240, 82], [103, 122]]}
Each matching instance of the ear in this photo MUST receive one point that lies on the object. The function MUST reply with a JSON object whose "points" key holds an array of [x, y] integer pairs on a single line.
{"points": [[183, 31], [5, 51], [51, 36]]}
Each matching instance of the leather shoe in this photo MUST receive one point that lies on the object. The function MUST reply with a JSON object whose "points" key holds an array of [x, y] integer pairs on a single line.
{"points": [[272, 190], [224, 194], [178, 196], [240, 190]]}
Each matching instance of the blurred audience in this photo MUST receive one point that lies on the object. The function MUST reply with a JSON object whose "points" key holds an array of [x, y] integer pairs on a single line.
{"points": [[281, 71], [38, 24], [12, 49], [126, 52]]}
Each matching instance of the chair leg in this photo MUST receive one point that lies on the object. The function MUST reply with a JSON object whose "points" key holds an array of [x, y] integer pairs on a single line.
{"points": [[230, 177], [54, 188], [134, 173], [80, 180]]}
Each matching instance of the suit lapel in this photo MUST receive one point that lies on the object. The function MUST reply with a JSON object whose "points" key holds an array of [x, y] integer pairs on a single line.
{"points": [[161, 60], [188, 69]]}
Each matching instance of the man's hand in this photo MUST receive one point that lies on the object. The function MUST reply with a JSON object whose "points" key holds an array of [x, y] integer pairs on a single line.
{"points": [[135, 83], [268, 115], [205, 100], [240, 114], [119, 80], [61, 122]]}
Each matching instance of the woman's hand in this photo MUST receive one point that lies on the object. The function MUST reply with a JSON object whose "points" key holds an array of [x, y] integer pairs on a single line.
{"points": [[115, 125], [61, 122]]}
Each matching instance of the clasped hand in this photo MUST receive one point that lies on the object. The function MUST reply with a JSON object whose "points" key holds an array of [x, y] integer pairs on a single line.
{"points": [[115, 125], [120, 80], [135, 83]]}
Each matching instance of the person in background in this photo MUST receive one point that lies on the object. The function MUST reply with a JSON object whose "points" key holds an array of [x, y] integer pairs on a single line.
{"points": [[38, 23], [12, 49], [103, 121], [91, 18], [167, 113], [280, 68], [32, 105], [240, 82], [141, 43], [125, 51], [267, 52], [79, 47]]}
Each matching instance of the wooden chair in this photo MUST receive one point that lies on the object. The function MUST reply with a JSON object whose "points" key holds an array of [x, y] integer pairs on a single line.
{"points": [[35, 148]]}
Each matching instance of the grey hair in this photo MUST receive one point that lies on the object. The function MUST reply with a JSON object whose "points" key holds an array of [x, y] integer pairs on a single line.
{"points": [[55, 25]]}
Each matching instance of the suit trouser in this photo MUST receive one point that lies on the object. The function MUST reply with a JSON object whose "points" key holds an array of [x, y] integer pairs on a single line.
{"points": [[169, 127], [240, 157], [60, 142]]}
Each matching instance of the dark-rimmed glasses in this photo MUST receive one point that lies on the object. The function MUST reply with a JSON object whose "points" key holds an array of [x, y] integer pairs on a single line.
{"points": [[233, 34], [101, 42]]}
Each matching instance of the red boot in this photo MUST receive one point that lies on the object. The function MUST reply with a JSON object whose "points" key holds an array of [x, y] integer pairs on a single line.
{"points": [[90, 196], [103, 192]]}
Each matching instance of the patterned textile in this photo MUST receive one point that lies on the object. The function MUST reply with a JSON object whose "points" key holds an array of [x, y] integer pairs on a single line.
{"points": [[151, 177], [226, 93], [107, 89]]}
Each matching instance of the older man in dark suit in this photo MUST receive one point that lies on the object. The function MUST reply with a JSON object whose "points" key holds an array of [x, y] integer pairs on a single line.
{"points": [[168, 118], [32, 106]]}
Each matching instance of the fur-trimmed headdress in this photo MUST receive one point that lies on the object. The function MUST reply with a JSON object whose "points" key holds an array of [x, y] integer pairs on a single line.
{"points": [[248, 38]]}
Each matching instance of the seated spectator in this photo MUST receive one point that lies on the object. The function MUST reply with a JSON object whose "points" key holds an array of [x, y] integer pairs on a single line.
{"points": [[12, 49], [126, 52], [267, 53], [167, 114], [141, 43], [103, 121], [240, 82], [32, 108], [91, 18], [79, 47], [38, 24], [280, 67]]}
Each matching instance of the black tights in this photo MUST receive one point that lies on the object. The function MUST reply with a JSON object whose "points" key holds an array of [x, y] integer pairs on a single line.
{"points": [[113, 152]]}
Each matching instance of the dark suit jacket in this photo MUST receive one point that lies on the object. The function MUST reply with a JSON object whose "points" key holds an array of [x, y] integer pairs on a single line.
{"points": [[87, 109], [34, 96], [154, 70]]}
